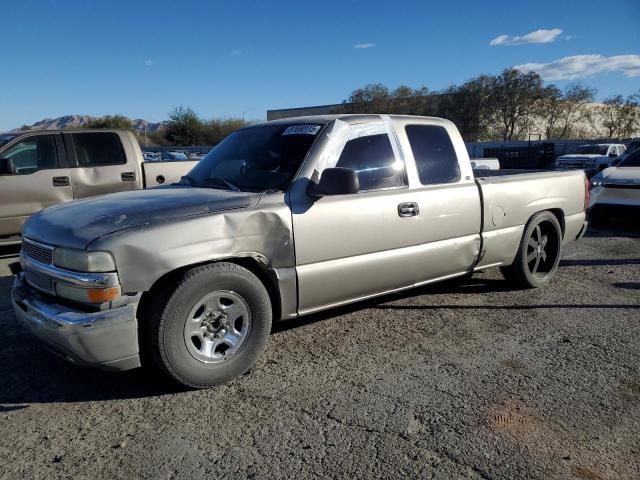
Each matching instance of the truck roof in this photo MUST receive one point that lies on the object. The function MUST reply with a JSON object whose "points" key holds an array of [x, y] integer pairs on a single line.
{"points": [[345, 117], [19, 133]]}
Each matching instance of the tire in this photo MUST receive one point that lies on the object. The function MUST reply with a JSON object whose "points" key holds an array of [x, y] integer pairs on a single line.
{"points": [[210, 326], [534, 267]]}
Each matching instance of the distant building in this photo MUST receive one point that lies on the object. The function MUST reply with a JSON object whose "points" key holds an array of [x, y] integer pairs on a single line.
{"points": [[302, 111]]}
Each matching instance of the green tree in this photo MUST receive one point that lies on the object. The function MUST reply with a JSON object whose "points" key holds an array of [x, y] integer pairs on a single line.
{"points": [[467, 106], [111, 121], [513, 100], [184, 127]]}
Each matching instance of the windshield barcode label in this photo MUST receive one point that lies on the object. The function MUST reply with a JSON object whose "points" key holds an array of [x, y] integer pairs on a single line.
{"points": [[302, 130]]}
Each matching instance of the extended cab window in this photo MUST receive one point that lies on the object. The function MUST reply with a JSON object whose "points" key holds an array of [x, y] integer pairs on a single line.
{"points": [[434, 154], [98, 149], [33, 154], [373, 160]]}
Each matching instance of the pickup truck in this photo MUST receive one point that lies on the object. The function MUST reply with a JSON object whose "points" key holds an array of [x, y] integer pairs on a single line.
{"points": [[39, 169], [280, 220], [592, 158]]}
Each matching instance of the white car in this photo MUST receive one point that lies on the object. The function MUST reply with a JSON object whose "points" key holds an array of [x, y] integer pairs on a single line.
{"points": [[592, 157], [616, 190]]}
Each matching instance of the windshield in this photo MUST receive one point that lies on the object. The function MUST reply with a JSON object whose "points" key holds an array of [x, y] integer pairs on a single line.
{"points": [[633, 146], [632, 160], [255, 159], [6, 138], [592, 149]]}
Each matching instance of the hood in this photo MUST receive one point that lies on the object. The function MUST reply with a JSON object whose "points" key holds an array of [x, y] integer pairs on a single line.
{"points": [[77, 223], [622, 175]]}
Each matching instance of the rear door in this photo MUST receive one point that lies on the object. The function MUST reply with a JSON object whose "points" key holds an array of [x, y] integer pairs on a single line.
{"points": [[40, 179], [98, 164], [443, 186]]}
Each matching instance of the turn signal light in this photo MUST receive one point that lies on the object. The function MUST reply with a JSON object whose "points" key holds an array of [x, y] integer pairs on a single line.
{"points": [[102, 295]]}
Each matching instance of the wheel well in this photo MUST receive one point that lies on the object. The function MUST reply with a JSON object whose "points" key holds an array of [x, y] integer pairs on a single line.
{"points": [[251, 264], [559, 214]]}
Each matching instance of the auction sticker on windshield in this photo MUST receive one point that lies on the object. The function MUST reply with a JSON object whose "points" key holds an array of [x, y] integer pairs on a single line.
{"points": [[302, 130]]}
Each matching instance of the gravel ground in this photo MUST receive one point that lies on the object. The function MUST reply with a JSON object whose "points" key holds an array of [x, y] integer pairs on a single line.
{"points": [[467, 379]]}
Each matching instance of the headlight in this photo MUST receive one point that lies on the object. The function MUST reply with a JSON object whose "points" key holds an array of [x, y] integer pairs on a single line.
{"points": [[87, 295], [83, 261]]}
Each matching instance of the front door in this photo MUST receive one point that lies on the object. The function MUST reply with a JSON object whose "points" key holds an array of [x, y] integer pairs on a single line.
{"points": [[353, 246], [39, 179]]}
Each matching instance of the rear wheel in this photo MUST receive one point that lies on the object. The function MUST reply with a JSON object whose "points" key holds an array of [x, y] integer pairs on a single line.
{"points": [[539, 253], [210, 327]]}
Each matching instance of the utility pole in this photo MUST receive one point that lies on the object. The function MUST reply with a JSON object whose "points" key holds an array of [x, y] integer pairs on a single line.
{"points": [[244, 122]]}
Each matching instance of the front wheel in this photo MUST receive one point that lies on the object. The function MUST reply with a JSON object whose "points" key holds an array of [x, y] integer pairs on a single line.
{"points": [[210, 327], [538, 254]]}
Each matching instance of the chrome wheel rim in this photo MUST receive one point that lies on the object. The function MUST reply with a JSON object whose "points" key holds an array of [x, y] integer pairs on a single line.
{"points": [[543, 248], [217, 326]]}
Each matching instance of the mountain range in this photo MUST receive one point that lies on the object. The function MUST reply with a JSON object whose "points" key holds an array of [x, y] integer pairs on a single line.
{"points": [[79, 121]]}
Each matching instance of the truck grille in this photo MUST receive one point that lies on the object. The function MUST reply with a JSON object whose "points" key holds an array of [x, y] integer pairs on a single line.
{"points": [[39, 281], [37, 251]]}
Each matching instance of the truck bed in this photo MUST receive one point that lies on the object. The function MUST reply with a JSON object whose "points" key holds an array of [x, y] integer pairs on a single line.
{"points": [[162, 173], [511, 197]]}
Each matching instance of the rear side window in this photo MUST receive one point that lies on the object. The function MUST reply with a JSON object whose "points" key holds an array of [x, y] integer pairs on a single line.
{"points": [[96, 149], [373, 160], [434, 154]]}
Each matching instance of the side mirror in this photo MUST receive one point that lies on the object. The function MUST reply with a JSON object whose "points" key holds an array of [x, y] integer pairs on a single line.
{"points": [[613, 154], [335, 181], [6, 167]]}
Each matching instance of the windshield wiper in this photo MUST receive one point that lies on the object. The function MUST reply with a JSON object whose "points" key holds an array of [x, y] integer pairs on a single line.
{"points": [[225, 182]]}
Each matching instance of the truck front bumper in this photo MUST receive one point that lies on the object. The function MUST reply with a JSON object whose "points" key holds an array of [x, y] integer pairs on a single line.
{"points": [[106, 339]]}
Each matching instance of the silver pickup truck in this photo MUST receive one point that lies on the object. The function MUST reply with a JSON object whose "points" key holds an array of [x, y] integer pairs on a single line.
{"points": [[39, 169], [280, 220]]}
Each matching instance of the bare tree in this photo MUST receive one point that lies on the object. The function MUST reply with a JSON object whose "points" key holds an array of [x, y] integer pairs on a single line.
{"points": [[619, 117], [562, 112]]}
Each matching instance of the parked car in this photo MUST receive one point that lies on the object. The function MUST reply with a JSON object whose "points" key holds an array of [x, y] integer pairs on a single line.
{"points": [[485, 164], [280, 220], [174, 156], [592, 157], [44, 168], [615, 191], [152, 156]]}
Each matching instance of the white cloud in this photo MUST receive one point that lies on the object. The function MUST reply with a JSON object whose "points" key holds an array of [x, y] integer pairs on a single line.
{"points": [[364, 45], [539, 36], [148, 62], [235, 52], [581, 66]]}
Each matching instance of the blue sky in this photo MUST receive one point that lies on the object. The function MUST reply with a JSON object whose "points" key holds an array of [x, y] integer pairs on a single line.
{"points": [[222, 58]]}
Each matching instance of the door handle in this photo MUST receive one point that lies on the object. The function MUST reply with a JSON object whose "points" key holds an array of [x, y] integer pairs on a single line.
{"points": [[128, 176], [60, 181], [408, 209]]}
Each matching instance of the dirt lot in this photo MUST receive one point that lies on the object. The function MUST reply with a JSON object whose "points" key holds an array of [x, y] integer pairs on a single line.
{"points": [[468, 379]]}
